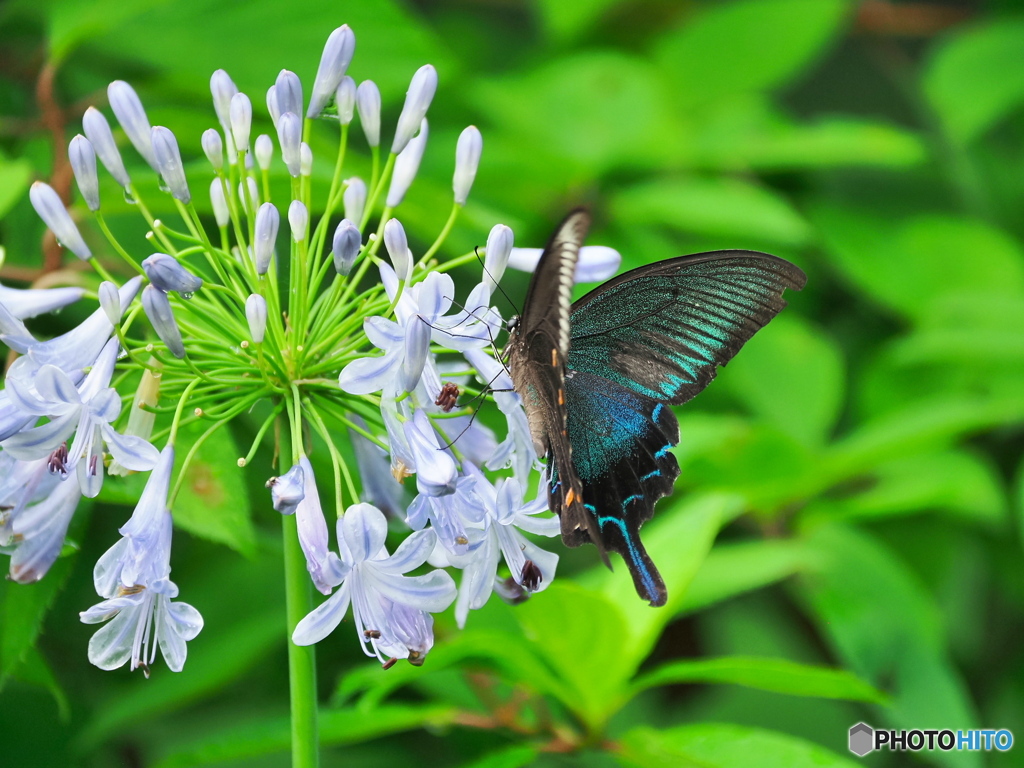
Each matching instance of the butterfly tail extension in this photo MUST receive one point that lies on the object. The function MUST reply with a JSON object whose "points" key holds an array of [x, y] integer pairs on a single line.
{"points": [[646, 579]]}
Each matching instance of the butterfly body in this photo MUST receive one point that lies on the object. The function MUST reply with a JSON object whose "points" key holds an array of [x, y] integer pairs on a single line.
{"points": [[597, 377]]}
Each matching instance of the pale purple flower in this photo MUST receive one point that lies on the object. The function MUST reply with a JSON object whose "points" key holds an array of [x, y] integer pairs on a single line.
{"points": [[346, 246], [338, 52], [379, 486], [97, 130], [161, 316], [110, 301], [345, 100], [417, 101], [267, 222], [134, 578], [288, 92], [596, 263], [354, 199], [83, 163], [169, 164], [406, 166], [287, 490], [390, 611], [51, 210], [289, 135], [309, 517], [38, 529], [368, 106], [223, 90], [397, 244], [132, 117], [256, 316], [467, 159], [497, 253], [458, 518], [85, 412], [166, 273], [29, 302], [435, 469]]}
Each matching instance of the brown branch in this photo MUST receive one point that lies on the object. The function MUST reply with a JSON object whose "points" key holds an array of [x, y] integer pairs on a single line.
{"points": [[881, 17], [60, 179]]}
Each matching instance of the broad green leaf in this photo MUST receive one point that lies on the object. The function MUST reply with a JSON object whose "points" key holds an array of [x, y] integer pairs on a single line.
{"points": [[884, 626], [721, 207], [581, 634], [956, 481], [923, 262], [567, 19], [34, 669], [746, 45], [15, 176], [74, 22], [793, 375], [213, 501], [975, 79], [218, 656], [678, 540], [778, 675], [721, 745], [257, 737], [733, 569]]}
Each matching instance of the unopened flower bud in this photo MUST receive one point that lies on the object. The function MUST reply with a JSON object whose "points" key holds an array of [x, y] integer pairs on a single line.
{"points": [[223, 89], [368, 105], [289, 136], [241, 120], [337, 55], [83, 163], [298, 220], [213, 148], [398, 248], [305, 160], [287, 490], [345, 99], [220, 206], [264, 151], [272, 106], [97, 130], [132, 117], [267, 222], [499, 248], [467, 160], [256, 314], [169, 161], [110, 302], [53, 213], [288, 89], [158, 309], [249, 194], [167, 274], [347, 242], [406, 165], [354, 199], [417, 100]]}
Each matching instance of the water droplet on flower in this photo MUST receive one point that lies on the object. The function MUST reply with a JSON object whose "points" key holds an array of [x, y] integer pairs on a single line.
{"points": [[129, 197], [187, 295]]}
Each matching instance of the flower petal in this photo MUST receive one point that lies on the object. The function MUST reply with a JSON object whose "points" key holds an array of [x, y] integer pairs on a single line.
{"points": [[323, 619]]}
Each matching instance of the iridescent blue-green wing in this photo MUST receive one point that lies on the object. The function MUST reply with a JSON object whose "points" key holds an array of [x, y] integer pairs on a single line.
{"points": [[662, 330], [621, 453]]}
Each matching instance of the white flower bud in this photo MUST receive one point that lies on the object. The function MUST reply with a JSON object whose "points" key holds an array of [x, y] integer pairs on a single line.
{"points": [[347, 242], [368, 105], [288, 89], [337, 55], [499, 248], [52, 211], [83, 163], [241, 120], [97, 130], [272, 105], [110, 302], [267, 222], [220, 206], [345, 99], [223, 89], [158, 309], [167, 274], [354, 199], [289, 136], [169, 163], [213, 148], [467, 160], [132, 117], [298, 220], [305, 160], [406, 165], [256, 314], [398, 248], [249, 194], [417, 100], [264, 151]]}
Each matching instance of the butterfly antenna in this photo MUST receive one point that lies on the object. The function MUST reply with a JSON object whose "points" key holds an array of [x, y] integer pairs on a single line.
{"points": [[487, 389], [497, 285]]}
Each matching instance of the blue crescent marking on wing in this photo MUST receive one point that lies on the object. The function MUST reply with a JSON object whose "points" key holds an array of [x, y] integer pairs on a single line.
{"points": [[645, 575]]}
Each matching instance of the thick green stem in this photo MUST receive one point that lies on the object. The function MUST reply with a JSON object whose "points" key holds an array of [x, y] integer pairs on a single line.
{"points": [[298, 602]]}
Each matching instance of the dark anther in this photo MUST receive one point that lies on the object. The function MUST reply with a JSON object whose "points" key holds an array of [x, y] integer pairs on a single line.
{"points": [[58, 462], [531, 576], [389, 663], [448, 396], [416, 658], [371, 634]]}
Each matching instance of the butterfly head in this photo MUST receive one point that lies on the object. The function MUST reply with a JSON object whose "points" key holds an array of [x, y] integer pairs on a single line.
{"points": [[512, 325]]}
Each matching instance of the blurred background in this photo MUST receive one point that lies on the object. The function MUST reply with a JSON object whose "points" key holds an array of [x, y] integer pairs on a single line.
{"points": [[852, 487]]}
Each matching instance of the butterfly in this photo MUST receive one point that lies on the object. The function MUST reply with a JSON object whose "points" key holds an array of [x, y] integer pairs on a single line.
{"points": [[597, 376]]}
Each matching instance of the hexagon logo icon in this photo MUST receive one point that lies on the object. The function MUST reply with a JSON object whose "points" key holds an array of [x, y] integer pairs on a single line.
{"points": [[862, 738]]}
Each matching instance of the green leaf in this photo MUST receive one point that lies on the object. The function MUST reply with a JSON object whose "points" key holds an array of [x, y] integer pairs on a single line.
{"points": [[777, 675], [721, 207], [793, 375], [264, 736], [35, 670], [217, 657], [975, 79], [15, 176], [514, 756], [213, 501], [924, 262], [73, 22], [747, 45], [565, 20], [720, 745], [678, 540], [884, 625], [733, 569]]}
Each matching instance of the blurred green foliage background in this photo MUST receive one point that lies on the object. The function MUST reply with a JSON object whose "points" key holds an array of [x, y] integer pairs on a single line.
{"points": [[844, 542]]}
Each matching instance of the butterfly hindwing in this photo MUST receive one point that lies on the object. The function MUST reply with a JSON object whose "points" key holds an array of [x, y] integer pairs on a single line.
{"points": [[662, 330]]}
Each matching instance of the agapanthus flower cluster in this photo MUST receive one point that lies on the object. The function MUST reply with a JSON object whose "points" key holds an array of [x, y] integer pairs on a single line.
{"points": [[339, 328]]}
